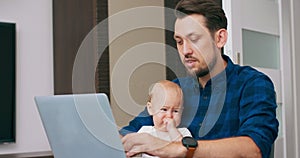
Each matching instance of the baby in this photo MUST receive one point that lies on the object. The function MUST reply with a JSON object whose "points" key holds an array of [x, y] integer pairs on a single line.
{"points": [[165, 104]]}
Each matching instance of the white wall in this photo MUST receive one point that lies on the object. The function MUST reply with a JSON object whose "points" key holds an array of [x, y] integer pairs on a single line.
{"points": [[33, 19], [296, 50], [291, 74]]}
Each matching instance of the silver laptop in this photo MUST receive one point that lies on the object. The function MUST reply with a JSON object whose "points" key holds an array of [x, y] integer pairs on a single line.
{"points": [[80, 126]]}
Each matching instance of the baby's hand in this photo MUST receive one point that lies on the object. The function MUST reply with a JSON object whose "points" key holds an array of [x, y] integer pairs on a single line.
{"points": [[170, 124], [172, 130]]}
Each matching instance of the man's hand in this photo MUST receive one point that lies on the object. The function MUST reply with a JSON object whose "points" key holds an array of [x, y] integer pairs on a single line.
{"points": [[135, 143]]}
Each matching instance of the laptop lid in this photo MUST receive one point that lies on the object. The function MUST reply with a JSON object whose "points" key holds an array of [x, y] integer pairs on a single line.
{"points": [[80, 125]]}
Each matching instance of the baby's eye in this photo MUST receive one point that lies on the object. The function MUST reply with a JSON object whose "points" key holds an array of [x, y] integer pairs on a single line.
{"points": [[163, 109]]}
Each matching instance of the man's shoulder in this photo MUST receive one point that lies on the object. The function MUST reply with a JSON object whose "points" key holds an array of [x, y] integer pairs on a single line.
{"points": [[248, 72], [241, 71], [247, 75]]}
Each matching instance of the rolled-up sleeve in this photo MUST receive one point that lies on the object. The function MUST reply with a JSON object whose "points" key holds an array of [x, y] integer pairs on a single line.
{"points": [[258, 113], [143, 119]]}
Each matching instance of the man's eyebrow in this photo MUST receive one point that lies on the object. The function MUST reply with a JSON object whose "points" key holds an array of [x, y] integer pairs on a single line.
{"points": [[176, 36], [188, 35], [193, 34]]}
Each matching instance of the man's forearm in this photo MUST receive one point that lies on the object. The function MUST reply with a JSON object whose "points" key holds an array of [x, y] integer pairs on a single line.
{"points": [[236, 147]]}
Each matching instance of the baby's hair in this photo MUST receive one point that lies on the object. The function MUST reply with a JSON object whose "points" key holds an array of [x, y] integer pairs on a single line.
{"points": [[166, 84]]}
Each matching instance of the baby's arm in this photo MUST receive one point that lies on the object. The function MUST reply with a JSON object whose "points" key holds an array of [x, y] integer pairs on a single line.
{"points": [[175, 135]]}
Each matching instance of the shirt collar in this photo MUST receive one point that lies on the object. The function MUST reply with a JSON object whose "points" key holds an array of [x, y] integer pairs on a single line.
{"points": [[221, 78]]}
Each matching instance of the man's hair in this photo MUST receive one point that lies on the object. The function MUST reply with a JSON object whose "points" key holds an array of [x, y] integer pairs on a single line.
{"points": [[210, 9]]}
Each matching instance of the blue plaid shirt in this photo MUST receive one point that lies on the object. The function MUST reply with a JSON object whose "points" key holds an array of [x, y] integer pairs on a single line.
{"points": [[239, 101]]}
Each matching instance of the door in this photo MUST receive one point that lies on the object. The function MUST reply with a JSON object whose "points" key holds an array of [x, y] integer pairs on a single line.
{"points": [[254, 39]]}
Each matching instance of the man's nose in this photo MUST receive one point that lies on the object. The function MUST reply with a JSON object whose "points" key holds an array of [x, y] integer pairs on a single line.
{"points": [[187, 49]]}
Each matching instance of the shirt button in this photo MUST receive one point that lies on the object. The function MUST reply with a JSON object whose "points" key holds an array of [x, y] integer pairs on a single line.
{"points": [[205, 97]]}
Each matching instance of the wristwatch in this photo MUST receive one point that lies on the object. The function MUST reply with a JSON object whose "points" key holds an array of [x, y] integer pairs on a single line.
{"points": [[191, 144]]}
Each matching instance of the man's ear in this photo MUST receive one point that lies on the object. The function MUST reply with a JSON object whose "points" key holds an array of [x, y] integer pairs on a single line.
{"points": [[150, 108], [221, 38]]}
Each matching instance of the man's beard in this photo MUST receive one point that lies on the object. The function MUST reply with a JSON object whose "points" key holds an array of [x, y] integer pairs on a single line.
{"points": [[201, 72], [198, 73]]}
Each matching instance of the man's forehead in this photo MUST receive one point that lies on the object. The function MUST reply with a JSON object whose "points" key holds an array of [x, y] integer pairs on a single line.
{"points": [[190, 25]]}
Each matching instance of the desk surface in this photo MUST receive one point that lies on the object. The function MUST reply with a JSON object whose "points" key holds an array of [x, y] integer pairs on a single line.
{"points": [[45, 154]]}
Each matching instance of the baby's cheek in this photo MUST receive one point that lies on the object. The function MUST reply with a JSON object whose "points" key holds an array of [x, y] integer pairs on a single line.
{"points": [[158, 120], [177, 120]]}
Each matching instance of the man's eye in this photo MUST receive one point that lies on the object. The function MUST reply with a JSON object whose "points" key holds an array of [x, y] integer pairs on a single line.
{"points": [[179, 42], [194, 40]]}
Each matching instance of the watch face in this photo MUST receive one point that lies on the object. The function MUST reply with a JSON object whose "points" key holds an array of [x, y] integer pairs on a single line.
{"points": [[189, 142]]}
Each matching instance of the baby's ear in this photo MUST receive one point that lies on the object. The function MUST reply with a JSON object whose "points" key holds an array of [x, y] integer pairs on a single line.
{"points": [[150, 108]]}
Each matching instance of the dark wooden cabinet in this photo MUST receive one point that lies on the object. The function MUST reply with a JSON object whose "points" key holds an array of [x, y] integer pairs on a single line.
{"points": [[72, 21]]}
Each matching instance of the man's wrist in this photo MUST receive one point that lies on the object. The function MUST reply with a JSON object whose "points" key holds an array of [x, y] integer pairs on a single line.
{"points": [[182, 150], [172, 150]]}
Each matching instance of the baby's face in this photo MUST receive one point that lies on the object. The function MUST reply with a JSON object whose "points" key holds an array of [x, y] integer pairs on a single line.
{"points": [[166, 105]]}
